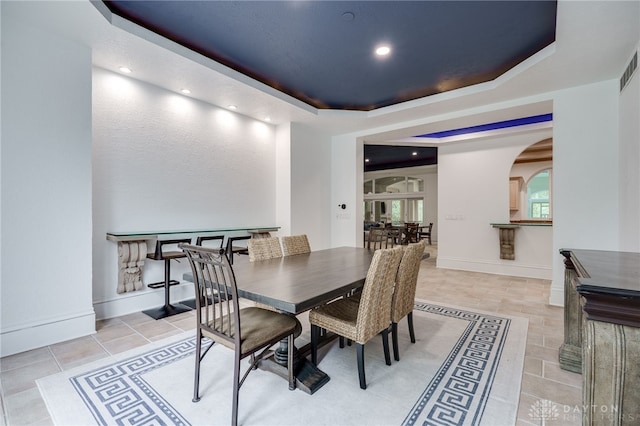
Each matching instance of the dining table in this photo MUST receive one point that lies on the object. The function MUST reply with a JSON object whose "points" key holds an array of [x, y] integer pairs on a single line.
{"points": [[296, 284]]}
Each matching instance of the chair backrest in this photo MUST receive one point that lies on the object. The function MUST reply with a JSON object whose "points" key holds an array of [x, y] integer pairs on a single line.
{"points": [[411, 230], [379, 239], [375, 301], [404, 293], [200, 240], [295, 244], [264, 248], [216, 293], [160, 253]]}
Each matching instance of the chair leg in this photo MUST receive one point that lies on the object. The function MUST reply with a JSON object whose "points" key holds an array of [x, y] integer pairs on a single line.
{"points": [[394, 340], [385, 345], [196, 379], [341, 339], [236, 389], [411, 333], [360, 352], [315, 336]]}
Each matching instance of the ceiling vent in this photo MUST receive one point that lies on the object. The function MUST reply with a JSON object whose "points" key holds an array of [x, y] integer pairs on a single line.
{"points": [[628, 73]]}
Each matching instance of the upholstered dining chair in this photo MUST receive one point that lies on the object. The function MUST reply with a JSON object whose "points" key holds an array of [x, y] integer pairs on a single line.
{"points": [[362, 321], [249, 331], [295, 244], [404, 292], [264, 248]]}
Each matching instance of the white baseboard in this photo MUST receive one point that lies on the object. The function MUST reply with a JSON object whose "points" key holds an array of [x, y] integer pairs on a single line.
{"points": [[556, 296], [32, 336], [138, 301], [498, 268]]}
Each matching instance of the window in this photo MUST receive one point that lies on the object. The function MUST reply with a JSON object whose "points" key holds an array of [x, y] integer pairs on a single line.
{"points": [[393, 185], [394, 210], [390, 185], [395, 199], [539, 196]]}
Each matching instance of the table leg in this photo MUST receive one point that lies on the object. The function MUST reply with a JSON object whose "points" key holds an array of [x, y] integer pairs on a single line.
{"points": [[309, 377]]}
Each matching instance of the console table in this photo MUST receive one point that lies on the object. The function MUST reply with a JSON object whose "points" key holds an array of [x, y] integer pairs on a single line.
{"points": [[507, 236], [608, 285], [132, 249]]}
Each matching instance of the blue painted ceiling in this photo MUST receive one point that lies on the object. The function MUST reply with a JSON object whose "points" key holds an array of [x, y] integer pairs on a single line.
{"points": [[385, 157], [321, 52]]}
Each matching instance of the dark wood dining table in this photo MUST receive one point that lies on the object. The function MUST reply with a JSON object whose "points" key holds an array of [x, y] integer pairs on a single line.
{"points": [[295, 284]]}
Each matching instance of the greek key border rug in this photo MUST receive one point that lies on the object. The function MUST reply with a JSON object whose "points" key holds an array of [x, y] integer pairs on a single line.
{"points": [[464, 369]]}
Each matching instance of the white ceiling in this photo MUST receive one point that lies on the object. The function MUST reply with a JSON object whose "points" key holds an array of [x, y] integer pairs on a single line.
{"points": [[594, 41]]}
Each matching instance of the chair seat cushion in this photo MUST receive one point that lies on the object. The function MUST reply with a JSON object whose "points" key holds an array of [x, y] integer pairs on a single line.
{"points": [[258, 327], [339, 317]]}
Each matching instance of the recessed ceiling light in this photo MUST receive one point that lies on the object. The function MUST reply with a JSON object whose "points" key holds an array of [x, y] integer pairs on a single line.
{"points": [[366, 160], [414, 153], [185, 91], [233, 107], [125, 70], [348, 16], [383, 50]]}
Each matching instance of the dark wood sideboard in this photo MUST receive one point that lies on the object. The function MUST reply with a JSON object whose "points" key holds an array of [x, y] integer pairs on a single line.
{"points": [[602, 333]]}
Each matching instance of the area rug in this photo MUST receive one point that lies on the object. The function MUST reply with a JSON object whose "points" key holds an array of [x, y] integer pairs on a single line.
{"points": [[464, 369]]}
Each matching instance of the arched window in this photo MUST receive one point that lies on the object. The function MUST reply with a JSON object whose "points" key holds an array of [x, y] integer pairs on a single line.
{"points": [[539, 196]]}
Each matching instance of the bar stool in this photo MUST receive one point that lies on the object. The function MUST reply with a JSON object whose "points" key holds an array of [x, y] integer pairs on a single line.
{"points": [[167, 309], [199, 242], [231, 249]]}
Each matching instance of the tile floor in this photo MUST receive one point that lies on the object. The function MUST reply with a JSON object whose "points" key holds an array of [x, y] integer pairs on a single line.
{"points": [[542, 377]]}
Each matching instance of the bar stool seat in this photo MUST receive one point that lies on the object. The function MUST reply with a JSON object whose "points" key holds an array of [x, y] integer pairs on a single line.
{"points": [[167, 256], [233, 249]]}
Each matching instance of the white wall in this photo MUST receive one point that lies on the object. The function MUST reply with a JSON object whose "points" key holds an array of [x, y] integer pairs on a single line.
{"points": [[347, 159], [46, 187], [473, 192], [164, 161], [283, 178], [629, 164], [311, 185], [586, 176]]}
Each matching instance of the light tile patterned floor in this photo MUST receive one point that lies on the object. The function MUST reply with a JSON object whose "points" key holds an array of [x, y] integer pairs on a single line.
{"points": [[542, 377]]}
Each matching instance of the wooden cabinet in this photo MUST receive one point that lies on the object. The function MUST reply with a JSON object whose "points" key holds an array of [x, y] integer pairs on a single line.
{"points": [[515, 183], [602, 333]]}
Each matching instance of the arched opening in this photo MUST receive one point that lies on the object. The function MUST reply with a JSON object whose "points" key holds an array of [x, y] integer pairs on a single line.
{"points": [[530, 184]]}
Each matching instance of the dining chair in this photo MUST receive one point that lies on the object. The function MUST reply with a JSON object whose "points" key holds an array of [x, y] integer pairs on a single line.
{"points": [[379, 239], [264, 248], [361, 321], [201, 241], [250, 331], [295, 244], [404, 292], [410, 232], [426, 233]]}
